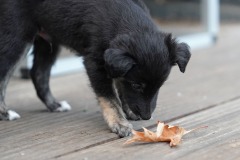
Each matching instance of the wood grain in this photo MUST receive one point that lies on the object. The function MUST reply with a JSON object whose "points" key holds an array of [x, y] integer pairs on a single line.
{"points": [[221, 140], [207, 93]]}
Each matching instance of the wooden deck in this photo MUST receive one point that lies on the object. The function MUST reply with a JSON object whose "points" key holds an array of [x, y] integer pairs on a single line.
{"points": [[208, 94]]}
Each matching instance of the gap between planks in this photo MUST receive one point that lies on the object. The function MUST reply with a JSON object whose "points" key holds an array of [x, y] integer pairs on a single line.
{"points": [[148, 127], [216, 135]]}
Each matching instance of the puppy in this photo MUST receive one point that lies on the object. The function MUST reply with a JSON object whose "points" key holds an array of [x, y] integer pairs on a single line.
{"points": [[126, 57]]}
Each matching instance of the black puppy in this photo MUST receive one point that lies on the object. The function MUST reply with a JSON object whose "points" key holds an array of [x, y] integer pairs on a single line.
{"points": [[126, 57]]}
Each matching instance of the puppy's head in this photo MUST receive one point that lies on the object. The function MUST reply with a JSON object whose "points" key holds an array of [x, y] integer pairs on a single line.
{"points": [[140, 64]]}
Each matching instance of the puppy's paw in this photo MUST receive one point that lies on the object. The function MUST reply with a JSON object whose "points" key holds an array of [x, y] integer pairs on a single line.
{"points": [[10, 115], [64, 107], [122, 128]]}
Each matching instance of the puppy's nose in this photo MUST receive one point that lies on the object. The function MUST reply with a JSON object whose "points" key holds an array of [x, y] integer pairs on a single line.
{"points": [[146, 116]]}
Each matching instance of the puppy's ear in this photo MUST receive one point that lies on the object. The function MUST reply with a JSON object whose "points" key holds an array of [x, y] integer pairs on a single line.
{"points": [[179, 52], [117, 62]]}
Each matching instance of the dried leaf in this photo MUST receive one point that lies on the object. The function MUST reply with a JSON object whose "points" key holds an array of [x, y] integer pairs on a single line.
{"points": [[164, 133]]}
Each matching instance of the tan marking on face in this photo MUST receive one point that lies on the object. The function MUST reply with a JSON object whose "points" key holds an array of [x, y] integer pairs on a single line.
{"points": [[116, 91]]}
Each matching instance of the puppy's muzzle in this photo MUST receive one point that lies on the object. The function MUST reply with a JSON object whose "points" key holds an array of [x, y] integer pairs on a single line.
{"points": [[146, 116]]}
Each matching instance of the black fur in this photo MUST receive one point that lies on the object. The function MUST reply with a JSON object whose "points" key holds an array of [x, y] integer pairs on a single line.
{"points": [[45, 54], [117, 62], [126, 57]]}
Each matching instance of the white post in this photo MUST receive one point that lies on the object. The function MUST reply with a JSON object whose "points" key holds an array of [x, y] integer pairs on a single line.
{"points": [[210, 20], [211, 16]]}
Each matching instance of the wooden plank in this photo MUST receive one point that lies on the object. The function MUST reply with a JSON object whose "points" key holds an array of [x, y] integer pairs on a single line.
{"points": [[221, 140], [208, 82]]}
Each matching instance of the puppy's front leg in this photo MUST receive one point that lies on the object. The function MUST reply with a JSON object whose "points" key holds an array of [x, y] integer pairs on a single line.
{"points": [[108, 100], [114, 117]]}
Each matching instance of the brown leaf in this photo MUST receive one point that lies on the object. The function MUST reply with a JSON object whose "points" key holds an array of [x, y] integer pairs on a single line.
{"points": [[164, 133]]}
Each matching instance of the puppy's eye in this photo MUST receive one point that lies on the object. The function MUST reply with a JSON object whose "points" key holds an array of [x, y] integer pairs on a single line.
{"points": [[137, 87]]}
